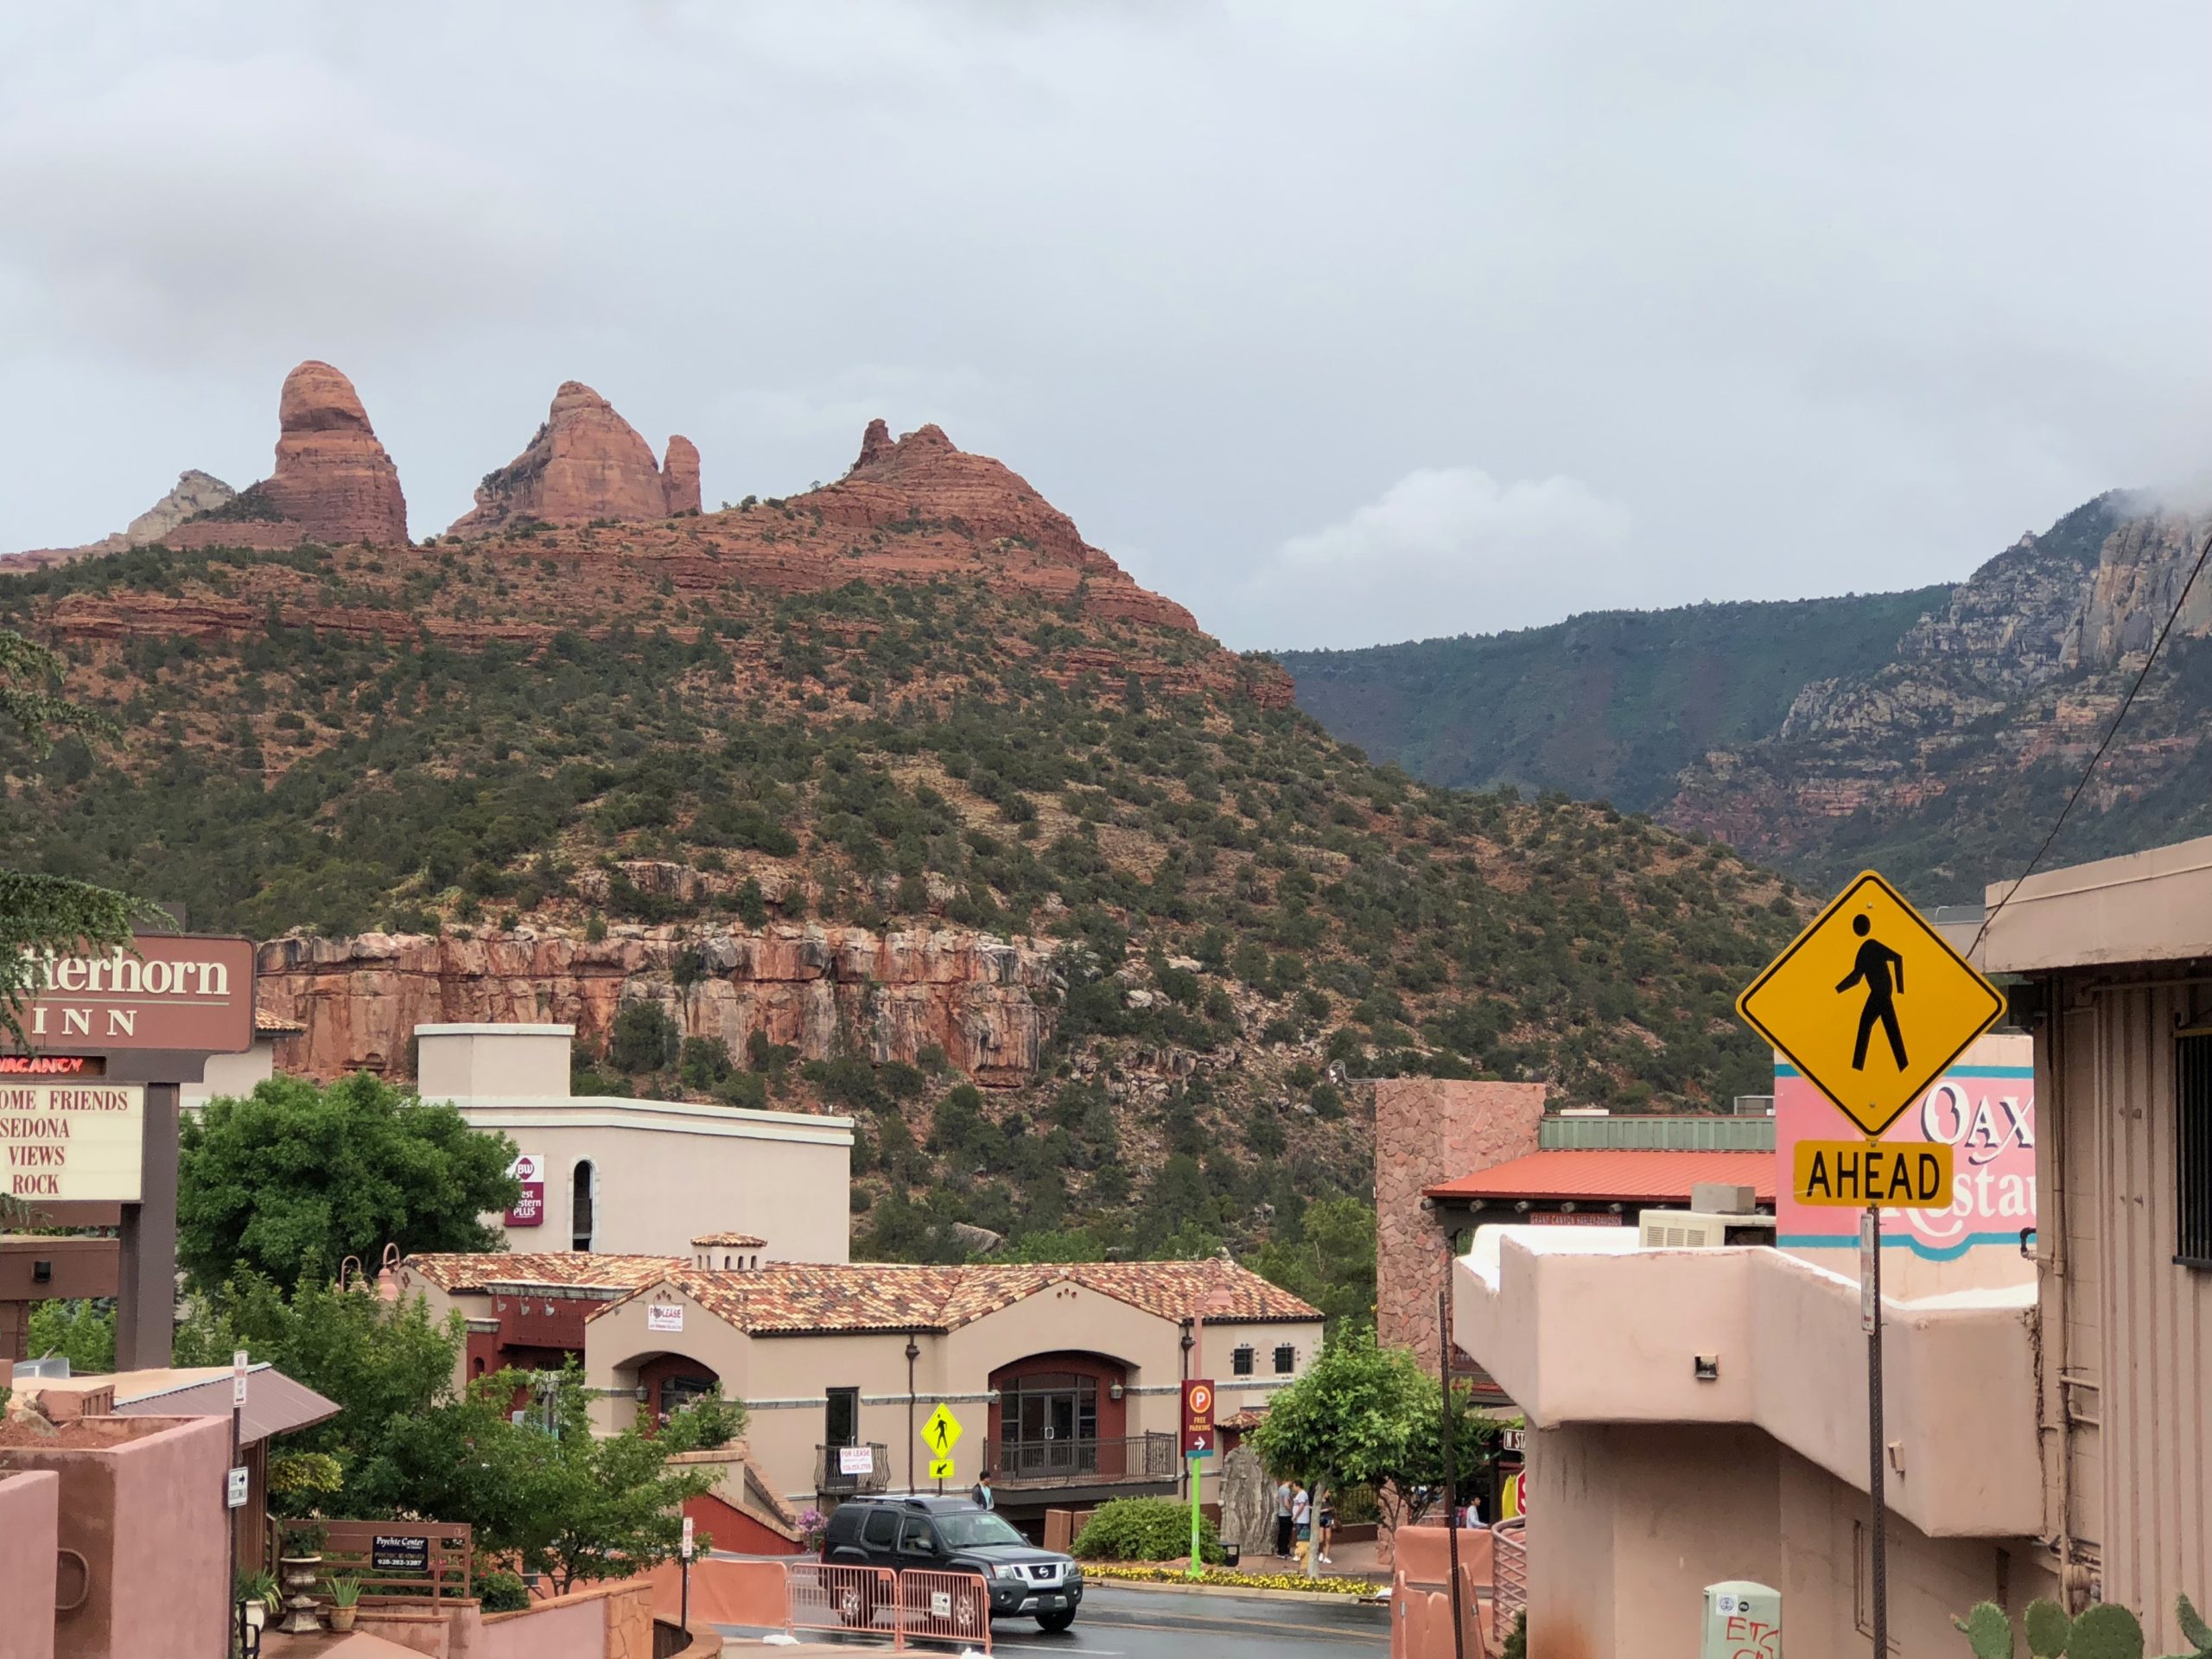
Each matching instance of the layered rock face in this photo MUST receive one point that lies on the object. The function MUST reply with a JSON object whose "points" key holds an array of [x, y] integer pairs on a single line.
{"points": [[585, 463], [196, 493], [814, 987], [333, 484]]}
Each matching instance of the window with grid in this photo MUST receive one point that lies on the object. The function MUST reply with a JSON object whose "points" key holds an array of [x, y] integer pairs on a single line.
{"points": [[1286, 1360], [1240, 1361], [2193, 1149]]}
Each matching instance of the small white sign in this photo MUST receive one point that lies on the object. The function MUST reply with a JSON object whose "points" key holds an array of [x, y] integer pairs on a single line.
{"points": [[940, 1604], [1513, 1440], [855, 1459], [1724, 1603], [234, 1490], [664, 1316], [238, 1377], [687, 1537]]}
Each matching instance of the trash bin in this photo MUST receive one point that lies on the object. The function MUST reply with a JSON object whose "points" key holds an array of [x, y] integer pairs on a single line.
{"points": [[1232, 1554]]}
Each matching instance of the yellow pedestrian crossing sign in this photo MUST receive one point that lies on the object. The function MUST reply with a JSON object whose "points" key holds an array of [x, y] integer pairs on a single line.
{"points": [[941, 1469], [941, 1433], [1870, 1003]]}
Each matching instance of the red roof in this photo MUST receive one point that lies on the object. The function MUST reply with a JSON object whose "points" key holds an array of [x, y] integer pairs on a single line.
{"points": [[1644, 1177]]}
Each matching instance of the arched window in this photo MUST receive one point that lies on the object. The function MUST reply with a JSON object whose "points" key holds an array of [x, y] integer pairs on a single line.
{"points": [[581, 1205]]}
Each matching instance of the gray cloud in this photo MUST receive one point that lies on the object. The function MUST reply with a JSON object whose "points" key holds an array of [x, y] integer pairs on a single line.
{"points": [[1793, 302]]}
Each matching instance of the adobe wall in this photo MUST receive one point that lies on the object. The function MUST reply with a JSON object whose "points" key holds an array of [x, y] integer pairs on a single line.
{"points": [[29, 1512], [1429, 1130], [142, 1500]]}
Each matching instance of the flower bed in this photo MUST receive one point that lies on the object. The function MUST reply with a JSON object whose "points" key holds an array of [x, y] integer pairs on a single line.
{"points": [[1230, 1579]]}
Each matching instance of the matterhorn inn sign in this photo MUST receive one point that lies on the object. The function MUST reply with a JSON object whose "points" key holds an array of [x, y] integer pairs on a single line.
{"points": [[164, 991], [71, 1141]]}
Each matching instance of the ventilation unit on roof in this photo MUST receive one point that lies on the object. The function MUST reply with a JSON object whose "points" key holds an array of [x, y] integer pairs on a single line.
{"points": [[1698, 1229]]}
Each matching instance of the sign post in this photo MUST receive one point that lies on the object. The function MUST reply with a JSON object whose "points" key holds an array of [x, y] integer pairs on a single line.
{"points": [[941, 1433], [683, 1618], [1870, 964], [1198, 1445], [147, 1015], [236, 1480]]}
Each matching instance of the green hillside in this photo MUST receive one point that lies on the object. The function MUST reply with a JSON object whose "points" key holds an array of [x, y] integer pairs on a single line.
{"points": [[1609, 706]]}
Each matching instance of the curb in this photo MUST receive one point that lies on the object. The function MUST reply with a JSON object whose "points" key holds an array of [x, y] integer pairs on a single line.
{"points": [[1200, 1588]]}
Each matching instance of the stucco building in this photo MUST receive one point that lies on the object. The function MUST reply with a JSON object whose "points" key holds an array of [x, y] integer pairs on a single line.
{"points": [[622, 1176], [1066, 1379]]}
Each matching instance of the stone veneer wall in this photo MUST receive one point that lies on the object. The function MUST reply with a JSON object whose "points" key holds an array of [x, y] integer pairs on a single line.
{"points": [[1428, 1130]]}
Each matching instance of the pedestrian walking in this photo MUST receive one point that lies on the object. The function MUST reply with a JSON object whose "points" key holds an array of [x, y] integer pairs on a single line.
{"points": [[1284, 1490], [981, 1492], [1324, 1529], [1301, 1521]]}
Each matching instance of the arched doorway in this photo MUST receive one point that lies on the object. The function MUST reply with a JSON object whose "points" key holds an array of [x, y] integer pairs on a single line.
{"points": [[1060, 1417], [672, 1381]]}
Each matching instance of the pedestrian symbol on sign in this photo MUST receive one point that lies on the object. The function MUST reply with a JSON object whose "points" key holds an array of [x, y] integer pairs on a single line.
{"points": [[1882, 972]]}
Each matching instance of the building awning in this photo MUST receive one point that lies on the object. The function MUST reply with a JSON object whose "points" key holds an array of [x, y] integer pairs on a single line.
{"points": [[1629, 1177], [275, 1404]]}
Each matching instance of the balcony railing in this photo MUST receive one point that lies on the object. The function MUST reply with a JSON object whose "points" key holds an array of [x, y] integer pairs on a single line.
{"points": [[832, 1479], [1081, 1463]]}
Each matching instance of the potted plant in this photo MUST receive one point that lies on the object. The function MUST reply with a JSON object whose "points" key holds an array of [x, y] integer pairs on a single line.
{"points": [[297, 1570], [257, 1597], [345, 1593]]}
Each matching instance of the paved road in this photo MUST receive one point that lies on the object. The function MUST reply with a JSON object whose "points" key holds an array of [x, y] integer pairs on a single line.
{"points": [[1121, 1623]]}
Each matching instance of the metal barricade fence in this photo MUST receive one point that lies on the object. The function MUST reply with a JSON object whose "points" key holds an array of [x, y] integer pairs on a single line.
{"points": [[953, 1607], [1508, 1573], [828, 1598]]}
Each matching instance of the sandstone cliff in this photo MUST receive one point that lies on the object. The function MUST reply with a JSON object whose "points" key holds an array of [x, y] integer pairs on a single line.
{"points": [[333, 483], [823, 990], [586, 462]]}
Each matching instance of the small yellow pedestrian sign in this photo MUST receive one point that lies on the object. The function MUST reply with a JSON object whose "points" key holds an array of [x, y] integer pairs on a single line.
{"points": [[941, 1433], [941, 1469], [1870, 1003]]}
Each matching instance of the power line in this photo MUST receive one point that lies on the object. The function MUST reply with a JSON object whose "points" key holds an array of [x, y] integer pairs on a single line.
{"points": [[2111, 732]]}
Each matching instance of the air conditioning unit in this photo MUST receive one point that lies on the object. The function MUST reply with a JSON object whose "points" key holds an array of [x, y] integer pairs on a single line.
{"points": [[1698, 1229]]}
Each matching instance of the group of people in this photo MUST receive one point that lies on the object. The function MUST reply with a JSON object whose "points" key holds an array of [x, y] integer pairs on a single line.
{"points": [[1296, 1523]]}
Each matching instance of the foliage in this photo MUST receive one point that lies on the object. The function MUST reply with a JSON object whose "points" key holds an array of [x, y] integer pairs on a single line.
{"points": [[645, 1039], [1143, 1530], [41, 914], [501, 1591], [1327, 1256], [297, 1176], [1517, 1639], [345, 1591], [1368, 1416], [303, 1476], [2102, 1630], [81, 1332]]}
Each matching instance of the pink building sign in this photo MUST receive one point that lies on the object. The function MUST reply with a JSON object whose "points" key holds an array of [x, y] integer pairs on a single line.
{"points": [[1984, 1107]]}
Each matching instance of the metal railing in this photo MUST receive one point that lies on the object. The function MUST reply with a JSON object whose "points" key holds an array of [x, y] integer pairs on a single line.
{"points": [[395, 1562], [1081, 1463], [1509, 1571], [909, 1606], [832, 1478]]}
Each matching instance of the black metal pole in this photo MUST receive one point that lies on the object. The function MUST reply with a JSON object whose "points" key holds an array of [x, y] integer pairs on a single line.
{"points": [[913, 1351], [1451, 1464], [684, 1617], [1870, 1249]]}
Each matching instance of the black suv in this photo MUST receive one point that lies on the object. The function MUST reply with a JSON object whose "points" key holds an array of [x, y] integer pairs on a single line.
{"points": [[952, 1535]]}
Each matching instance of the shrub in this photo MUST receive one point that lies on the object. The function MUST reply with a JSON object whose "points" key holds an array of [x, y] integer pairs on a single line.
{"points": [[645, 1039], [502, 1592], [1144, 1529]]}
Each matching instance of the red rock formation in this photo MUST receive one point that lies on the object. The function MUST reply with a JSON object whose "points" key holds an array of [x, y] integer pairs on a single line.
{"points": [[875, 444], [333, 482], [679, 476], [196, 493], [360, 998], [585, 462]]}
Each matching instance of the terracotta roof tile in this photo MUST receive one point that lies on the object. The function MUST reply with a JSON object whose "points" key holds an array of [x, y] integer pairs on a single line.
{"points": [[275, 1025], [570, 1269], [730, 1241], [791, 1297], [1645, 1177]]}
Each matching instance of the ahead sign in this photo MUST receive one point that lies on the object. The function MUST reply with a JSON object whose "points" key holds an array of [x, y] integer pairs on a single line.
{"points": [[1871, 1004]]}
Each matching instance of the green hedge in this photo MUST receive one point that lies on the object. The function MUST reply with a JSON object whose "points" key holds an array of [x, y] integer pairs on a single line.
{"points": [[1144, 1529]]}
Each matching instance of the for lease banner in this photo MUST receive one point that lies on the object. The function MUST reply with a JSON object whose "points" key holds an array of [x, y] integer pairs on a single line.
{"points": [[71, 1141]]}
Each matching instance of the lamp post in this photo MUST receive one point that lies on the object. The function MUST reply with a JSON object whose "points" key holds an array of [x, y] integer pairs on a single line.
{"points": [[913, 1353]]}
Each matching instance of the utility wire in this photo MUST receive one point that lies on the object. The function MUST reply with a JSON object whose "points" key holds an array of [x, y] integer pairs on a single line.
{"points": [[2111, 732]]}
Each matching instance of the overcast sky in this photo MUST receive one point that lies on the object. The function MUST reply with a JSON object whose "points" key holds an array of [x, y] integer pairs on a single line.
{"points": [[1340, 321]]}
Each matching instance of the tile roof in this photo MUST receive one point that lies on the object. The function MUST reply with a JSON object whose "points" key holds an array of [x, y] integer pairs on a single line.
{"points": [[570, 1269], [267, 1024], [1647, 1177], [793, 1298], [730, 1241]]}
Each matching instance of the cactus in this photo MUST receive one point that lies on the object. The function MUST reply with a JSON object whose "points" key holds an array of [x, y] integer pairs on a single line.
{"points": [[2199, 1635], [2107, 1630], [2048, 1629], [1989, 1631]]}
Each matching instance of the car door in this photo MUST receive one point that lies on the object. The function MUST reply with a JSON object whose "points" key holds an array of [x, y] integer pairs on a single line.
{"points": [[918, 1544], [879, 1536]]}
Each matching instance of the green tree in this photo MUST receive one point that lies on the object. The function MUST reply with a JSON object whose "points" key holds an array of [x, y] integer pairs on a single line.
{"points": [[644, 1039], [1366, 1415], [296, 1177], [81, 1332], [42, 915], [1328, 1258]]}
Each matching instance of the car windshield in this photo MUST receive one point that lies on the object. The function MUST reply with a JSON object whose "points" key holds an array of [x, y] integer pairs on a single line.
{"points": [[971, 1529]]}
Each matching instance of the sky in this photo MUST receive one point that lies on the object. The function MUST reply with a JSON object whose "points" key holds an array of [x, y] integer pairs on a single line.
{"points": [[1339, 323]]}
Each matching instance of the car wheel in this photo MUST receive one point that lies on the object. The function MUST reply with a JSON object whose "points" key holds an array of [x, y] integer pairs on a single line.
{"points": [[1053, 1624]]}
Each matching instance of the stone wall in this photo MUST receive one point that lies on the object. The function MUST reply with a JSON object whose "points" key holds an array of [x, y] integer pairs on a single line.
{"points": [[1427, 1131]]}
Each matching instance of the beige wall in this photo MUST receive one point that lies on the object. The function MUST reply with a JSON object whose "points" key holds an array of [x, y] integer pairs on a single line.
{"points": [[1627, 1523], [232, 1074], [29, 1514], [1580, 1327], [666, 1175], [455, 1062], [955, 1367]]}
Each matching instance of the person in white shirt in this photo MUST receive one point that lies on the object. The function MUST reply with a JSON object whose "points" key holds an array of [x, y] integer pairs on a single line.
{"points": [[1301, 1515]]}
